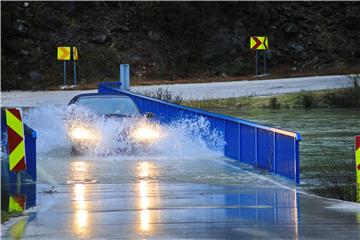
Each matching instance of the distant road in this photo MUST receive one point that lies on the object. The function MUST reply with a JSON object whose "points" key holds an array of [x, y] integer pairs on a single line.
{"points": [[216, 90], [196, 91]]}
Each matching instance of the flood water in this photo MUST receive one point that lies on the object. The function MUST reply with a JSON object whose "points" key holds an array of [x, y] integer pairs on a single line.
{"points": [[327, 137], [178, 191]]}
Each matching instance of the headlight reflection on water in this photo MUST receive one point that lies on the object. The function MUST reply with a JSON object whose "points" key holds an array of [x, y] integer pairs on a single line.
{"points": [[81, 218], [147, 192]]}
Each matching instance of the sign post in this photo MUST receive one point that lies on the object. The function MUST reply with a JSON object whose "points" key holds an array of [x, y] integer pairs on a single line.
{"points": [[64, 73], [256, 63], [63, 54], [357, 165], [75, 58], [259, 43]]}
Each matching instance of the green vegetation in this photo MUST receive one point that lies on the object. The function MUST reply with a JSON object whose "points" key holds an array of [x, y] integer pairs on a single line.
{"points": [[337, 98], [338, 179], [163, 94]]}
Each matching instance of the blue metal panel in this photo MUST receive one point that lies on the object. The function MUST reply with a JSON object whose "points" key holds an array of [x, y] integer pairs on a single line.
{"points": [[297, 159], [274, 149], [216, 123], [232, 139], [247, 146], [284, 154], [265, 153], [30, 149]]}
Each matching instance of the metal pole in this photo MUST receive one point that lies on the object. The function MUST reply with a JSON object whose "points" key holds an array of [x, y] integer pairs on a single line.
{"points": [[64, 73], [127, 77], [74, 72], [264, 61], [18, 182], [256, 62], [122, 77], [120, 73]]}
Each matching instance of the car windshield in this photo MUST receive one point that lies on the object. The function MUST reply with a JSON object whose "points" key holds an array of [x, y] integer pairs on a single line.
{"points": [[109, 105]]}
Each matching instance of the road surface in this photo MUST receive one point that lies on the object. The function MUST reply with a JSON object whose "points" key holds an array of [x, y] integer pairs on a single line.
{"points": [[216, 90], [192, 91], [160, 198]]}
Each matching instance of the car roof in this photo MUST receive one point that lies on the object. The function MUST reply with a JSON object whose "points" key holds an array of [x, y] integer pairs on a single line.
{"points": [[96, 95]]}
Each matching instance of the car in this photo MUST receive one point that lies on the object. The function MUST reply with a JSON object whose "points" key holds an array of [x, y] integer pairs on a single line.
{"points": [[85, 136]]}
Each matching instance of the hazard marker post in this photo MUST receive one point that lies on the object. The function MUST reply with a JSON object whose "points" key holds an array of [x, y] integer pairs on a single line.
{"points": [[63, 54], [259, 43], [357, 165]]}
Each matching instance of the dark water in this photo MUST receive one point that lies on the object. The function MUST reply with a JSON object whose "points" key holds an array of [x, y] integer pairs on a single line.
{"points": [[327, 137]]}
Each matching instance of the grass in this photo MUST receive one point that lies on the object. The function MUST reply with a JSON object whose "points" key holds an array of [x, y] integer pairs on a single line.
{"points": [[336, 98], [163, 94], [338, 179]]}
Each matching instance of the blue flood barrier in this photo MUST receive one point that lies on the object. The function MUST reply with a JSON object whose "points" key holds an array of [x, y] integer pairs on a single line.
{"points": [[30, 151], [264, 147]]}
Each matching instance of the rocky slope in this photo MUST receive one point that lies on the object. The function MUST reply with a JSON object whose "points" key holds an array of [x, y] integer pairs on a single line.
{"points": [[173, 40]]}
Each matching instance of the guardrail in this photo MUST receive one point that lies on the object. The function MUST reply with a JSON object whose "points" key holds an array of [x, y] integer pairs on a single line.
{"points": [[264, 147], [30, 151]]}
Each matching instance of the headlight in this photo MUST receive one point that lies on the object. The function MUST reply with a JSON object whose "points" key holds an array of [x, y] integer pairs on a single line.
{"points": [[81, 133], [146, 133]]}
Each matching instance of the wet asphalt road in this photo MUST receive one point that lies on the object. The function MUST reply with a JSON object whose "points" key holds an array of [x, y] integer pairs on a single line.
{"points": [[159, 198], [194, 91]]}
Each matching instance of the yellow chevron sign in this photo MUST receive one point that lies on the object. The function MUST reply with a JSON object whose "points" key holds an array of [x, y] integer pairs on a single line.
{"points": [[75, 54], [63, 53], [16, 204], [16, 140], [259, 43]]}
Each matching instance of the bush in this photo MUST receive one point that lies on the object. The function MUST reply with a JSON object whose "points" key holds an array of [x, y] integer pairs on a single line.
{"points": [[345, 97], [305, 100], [273, 103], [165, 95]]}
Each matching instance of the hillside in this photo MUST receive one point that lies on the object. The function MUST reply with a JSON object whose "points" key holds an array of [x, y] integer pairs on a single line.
{"points": [[172, 40]]}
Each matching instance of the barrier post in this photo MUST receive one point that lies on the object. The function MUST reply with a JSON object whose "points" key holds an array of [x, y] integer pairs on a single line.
{"points": [[125, 76], [357, 164], [120, 74]]}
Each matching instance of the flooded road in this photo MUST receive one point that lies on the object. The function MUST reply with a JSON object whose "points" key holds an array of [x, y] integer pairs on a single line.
{"points": [[175, 194], [193, 197]]}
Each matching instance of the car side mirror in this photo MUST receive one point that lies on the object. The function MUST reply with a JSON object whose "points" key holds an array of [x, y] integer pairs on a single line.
{"points": [[149, 115]]}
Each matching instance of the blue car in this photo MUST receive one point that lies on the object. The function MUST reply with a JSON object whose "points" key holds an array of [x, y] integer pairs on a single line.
{"points": [[85, 136]]}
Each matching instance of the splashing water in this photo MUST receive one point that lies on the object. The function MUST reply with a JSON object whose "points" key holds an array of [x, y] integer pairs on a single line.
{"points": [[183, 137]]}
